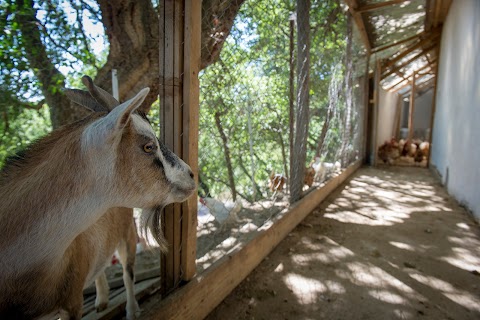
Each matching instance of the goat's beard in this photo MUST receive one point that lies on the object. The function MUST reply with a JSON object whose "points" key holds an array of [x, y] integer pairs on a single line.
{"points": [[151, 221]]}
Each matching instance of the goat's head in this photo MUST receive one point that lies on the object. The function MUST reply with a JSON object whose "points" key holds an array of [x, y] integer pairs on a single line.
{"points": [[125, 156]]}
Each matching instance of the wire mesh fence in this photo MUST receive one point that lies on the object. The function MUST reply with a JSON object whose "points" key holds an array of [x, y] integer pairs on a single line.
{"points": [[244, 142], [249, 116]]}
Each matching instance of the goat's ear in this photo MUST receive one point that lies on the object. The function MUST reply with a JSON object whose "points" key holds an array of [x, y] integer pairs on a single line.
{"points": [[119, 116], [84, 99], [101, 96]]}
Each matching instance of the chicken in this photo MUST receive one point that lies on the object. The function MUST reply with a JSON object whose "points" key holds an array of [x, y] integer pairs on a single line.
{"points": [[320, 170], [223, 212], [276, 182], [425, 147], [418, 157], [390, 150], [324, 169], [309, 176]]}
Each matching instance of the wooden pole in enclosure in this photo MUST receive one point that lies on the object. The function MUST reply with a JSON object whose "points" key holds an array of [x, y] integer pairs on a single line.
{"points": [[434, 105], [366, 103], [398, 116], [412, 108], [376, 106], [291, 93], [180, 25]]}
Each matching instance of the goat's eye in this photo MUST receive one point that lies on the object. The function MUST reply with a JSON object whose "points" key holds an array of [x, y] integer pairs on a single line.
{"points": [[149, 147]]}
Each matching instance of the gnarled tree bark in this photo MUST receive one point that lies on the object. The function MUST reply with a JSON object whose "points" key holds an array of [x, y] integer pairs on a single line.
{"points": [[132, 30]]}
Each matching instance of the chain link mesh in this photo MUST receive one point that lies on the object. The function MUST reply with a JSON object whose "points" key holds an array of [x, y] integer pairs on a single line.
{"points": [[244, 149]]}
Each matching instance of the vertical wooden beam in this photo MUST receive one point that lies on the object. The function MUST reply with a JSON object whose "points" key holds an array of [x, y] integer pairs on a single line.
{"points": [[366, 103], [434, 105], [412, 108], [398, 113], [376, 106], [191, 100], [167, 107], [291, 94], [179, 99]]}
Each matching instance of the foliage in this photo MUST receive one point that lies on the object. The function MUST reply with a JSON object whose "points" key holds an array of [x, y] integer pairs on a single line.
{"points": [[62, 25], [244, 112], [27, 126], [252, 78]]}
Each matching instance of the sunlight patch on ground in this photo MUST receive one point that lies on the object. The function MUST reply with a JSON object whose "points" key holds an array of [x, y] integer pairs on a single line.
{"points": [[305, 289], [461, 297], [374, 277], [387, 296], [402, 314], [402, 246], [464, 259], [279, 268], [353, 217]]}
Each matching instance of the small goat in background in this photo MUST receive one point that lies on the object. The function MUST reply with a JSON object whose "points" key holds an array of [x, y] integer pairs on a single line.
{"points": [[60, 206]]}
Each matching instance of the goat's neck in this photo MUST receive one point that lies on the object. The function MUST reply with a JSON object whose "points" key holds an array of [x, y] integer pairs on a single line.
{"points": [[51, 207]]}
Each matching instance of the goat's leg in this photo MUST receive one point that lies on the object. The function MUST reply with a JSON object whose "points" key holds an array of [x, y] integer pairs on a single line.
{"points": [[127, 251], [74, 308], [101, 284]]}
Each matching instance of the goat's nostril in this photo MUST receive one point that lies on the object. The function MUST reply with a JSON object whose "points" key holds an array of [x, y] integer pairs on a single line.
{"points": [[191, 174]]}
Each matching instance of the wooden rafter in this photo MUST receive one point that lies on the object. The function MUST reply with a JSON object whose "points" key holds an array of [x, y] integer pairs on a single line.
{"points": [[409, 76], [426, 85], [406, 85], [434, 36], [376, 6], [406, 63], [357, 17], [396, 43]]}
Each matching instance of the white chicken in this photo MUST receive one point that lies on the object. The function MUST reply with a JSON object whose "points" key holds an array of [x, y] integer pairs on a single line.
{"points": [[223, 212], [324, 169], [320, 170]]}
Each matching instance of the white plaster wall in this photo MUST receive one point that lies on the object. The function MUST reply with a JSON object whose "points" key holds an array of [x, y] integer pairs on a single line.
{"points": [[422, 114], [386, 116], [456, 132]]}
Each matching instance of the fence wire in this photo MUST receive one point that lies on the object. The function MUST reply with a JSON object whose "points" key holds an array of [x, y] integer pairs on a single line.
{"points": [[244, 148]]}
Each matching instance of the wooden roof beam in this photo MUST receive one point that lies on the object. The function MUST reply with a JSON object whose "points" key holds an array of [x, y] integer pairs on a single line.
{"points": [[393, 44], [408, 83], [406, 63], [407, 51], [357, 17], [376, 6], [420, 87], [407, 77]]}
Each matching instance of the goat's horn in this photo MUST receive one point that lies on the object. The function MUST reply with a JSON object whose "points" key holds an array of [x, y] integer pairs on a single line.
{"points": [[102, 96]]}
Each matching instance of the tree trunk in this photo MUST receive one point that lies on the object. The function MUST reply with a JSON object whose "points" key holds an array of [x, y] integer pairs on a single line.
{"points": [[228, 158], [303, 99], [51, 80], [132, 28], [217, 21]]}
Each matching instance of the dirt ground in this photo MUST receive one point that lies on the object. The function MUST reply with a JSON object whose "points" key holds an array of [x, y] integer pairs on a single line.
{"points": [[390, 244]]}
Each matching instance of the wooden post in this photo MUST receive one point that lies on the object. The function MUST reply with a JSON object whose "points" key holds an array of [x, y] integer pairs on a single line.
{"points": [[376, 102], [291, 93], [398, 116], [366, 103], [115, 92], [434, 105], [179, 105], [412, 108]]}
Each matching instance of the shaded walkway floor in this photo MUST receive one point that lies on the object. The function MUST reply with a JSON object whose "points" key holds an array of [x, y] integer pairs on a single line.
{"points": [[389, 244]]}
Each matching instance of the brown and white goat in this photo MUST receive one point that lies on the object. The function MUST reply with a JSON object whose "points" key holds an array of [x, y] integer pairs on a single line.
{"points": [[54, 194]]}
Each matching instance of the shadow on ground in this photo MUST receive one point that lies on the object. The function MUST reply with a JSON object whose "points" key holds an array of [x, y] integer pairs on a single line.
{"points": [[389, 244]]}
